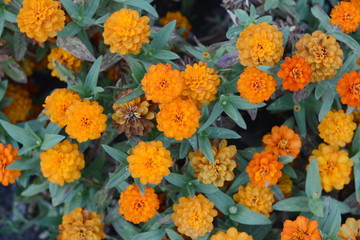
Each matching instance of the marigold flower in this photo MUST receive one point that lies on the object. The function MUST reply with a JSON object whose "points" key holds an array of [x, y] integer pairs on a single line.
{"points": [[194, 216], [337, 128], [7, 1], [150, 162], [346, 16], [301, 228], [282, 141], [349, 88], [125, 31], [256, 198], [58, 102], [260, 44], [322, 52], [85, 120], [137, 207], [334, 166], [265, 169], [8, 155], [21, 103], [219, 171], [181, 22], [178, 119], [81, 224], [256, 85], [232, 233], [201, 83], [162, 84], [350, 230], [41, 19], [64, 57], [285, 184]]}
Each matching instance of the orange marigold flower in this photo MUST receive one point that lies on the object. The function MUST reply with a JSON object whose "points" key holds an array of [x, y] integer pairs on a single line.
{"points": [[334, 166], [81, 224], [178, 119], [21, 103], [265, 169], [350, 230], [285, 184], [301, 228], [8, 155], [256, 85], [349, 88], [232, 233], [219, 171], [201, 83], [162, 84], [85, 120], [137, 207], [260, 44], [256, 198], [346, 16], [41, 19], [64, 57], [194, 216], [125, 31], [282, 141], [322, 52], [181, 22], [58, 102], [337, 128]]}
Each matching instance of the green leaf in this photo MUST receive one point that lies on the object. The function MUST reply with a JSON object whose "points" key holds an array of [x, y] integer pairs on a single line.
{"points": [[142, 5], [117, 177], [70, 8], [331, 203], [91, 7], [3, 87], [25, 163], [137, 92], [173, 235], [66, 193], [222, 201], [271, 4], [243, 104], [163, 36], [239, 180], [285, 159], [234, 114], [355, 146], [155, 234], [190, 189], [322, 17], [278, 194], [51, 140], [283, 103], [289, 170], [9, 16], [165, 55], [66, 74], [326, 105], [20, 45], [205, 188], [313, 186], [177, 179], [206, 148], [316, 207], [332, 223], [347, 39], [13, 70], [92, 76], [184, 149], [71, 29], [357, 180], [293, 204], [300, 117], [217, 110], [241, 15], [34, 189], [216, 132], [19, 134], [246, 216], [137, 68], [140, 186], [77, 48], [116, 154]]}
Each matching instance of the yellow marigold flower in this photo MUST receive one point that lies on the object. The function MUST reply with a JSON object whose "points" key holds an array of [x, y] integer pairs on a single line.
{"points": [[256, 198], [285, 184], [231, 234], [162, 84], [137, 207], [178, 119], [256, 85], [349, 88], [125, 31], [21, 103], [337, 128], [260, 44], [322, 52], [150, 162], [181, 22], [8, 155], [194, 216], [58, 102], [81, 224], [41, 19], [334, 166], [301, 228], [64, 57], [346, 16], [85, 120], [201, 83], [62, 163], [7, 1], [219, 171], [350, 230]]}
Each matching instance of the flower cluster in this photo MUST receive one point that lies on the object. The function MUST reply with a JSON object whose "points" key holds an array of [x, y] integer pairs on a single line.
{"points": [[346, 16], [8, 155], [295, 73], [301, 228]]}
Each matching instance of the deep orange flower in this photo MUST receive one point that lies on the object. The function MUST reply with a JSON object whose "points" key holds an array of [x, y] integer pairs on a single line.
{"points": [[301, 228], [231, 234], [8, 155], [349, 88], [356, 3], [346, 16], [350, 230], [181, 22], [295, 72], [64, 57], [21, 103]]}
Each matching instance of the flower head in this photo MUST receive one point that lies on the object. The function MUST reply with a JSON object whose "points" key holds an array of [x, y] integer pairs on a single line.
{"points": [[301, 228], [350, 230], [137, 207], [41, 19], [260, 44], [256, 198], [81, 224], [231, 234], [194, 216], [162, 84], [349, 88], [322, 52], [85, 120], [21, 103], [63, 57], [337, 128], [125, 31], [8, 155], [219, 171], [256, 85], [346, 16], [356, 3], [286, 185], [181, 22], [178, 119]]}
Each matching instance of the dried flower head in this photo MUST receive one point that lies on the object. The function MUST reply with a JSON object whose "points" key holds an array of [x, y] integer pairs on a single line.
{"points": [[301, 228], [350, 230], [349, 88], [64, 57], [231, 234], [8, 155], [181, 22], [285, 184], [21, 103], [346, 16]]}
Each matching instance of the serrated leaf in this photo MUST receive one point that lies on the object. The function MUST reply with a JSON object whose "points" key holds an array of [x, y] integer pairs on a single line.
{"points": [[206, 148], [293, 204], [75, 47], [50, 140], [116, 178], [163, 36], [246, 216], [313, 186], [93, 75], [116, 154]]}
